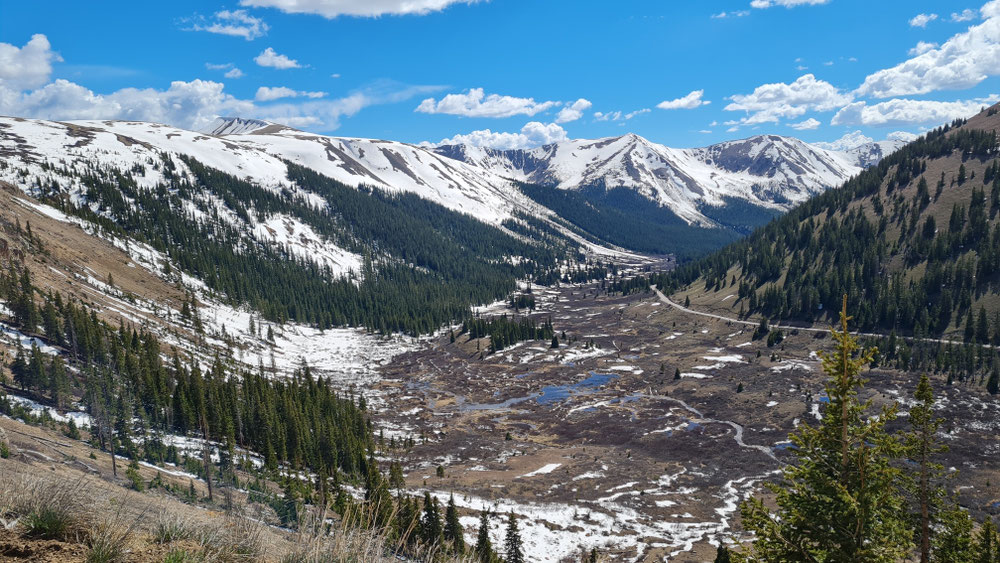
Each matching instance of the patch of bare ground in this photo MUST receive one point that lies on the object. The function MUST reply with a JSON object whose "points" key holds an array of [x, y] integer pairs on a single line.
{"points": [[599, 444]]}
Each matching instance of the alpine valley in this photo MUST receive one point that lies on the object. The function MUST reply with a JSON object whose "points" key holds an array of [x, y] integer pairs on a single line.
{"points": [[351, 334]]}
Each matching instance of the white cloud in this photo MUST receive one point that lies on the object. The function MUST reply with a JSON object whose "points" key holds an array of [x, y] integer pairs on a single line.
{"points": [[705, 131], [533, 134], [904, 136], [271, 59], [362, 8], [734, 14], [335, 75], [849, 141], [921, 20], [237, 23], [690, 101], [963, 16], [231, 70], [785, 3], [29, 66], [807, 125], [475, 103], [618, 115], [266, 94], [770, 102], [904, 112], [573, 111], [184, 104], [922, 47], [964, 60]]}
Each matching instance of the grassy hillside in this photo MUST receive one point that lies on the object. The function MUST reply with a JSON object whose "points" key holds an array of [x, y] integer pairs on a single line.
{"points": [[914, 242]]}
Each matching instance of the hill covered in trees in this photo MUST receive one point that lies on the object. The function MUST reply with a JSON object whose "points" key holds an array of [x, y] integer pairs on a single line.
{"points": [[914, 242]]}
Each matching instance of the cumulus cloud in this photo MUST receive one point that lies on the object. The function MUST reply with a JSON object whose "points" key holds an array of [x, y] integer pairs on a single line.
{"points": [[475, 103], [807, 125], [689, 101], [921, 20], [573, 111], [28, 66], [904, 136], [785, 3], [533, 134], [234, 73], [849, 141], [266, 94], [360, 8], [184, 104], [618, 115], [963, 16], [269, 58], [922, 47], [905, 112], [771, 102], [236, 23], [964, 60]]}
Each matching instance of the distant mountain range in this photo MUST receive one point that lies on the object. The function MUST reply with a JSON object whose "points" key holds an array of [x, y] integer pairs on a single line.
{"points": [[769, 171], [726, 188]]}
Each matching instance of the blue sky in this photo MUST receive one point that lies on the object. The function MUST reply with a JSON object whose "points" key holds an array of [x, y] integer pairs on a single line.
{"points": [[508, 72]]}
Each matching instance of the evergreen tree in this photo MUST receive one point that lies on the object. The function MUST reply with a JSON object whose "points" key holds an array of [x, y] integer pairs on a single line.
{"points": [[953, 542], [484, 548], [987, 543], [512, 548], [430, 523], [923, 444], [839, 502], [453, 528], [722, 554]]}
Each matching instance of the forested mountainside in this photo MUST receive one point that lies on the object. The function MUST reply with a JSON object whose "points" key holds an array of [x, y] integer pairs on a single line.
{"points": [[685, 202], [322, 253], [914, 242]]}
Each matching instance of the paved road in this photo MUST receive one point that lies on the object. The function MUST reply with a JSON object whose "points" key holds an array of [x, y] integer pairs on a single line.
{"points": [[680, 307]]}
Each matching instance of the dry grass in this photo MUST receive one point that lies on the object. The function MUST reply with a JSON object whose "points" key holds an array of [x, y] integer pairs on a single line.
{"points": [[105, 522], [42, 507]]}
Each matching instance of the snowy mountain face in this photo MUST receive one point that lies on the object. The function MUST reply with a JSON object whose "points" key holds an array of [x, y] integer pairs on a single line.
{"points": [[257, 150], [768, 171]]}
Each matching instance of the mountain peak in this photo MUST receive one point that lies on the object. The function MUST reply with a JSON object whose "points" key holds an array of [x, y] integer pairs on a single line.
{"points": [[234, 126]]}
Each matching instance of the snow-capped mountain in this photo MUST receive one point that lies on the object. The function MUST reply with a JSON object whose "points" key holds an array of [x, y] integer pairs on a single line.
{"points": [[864, 150], [767, 170], [257, 150]]}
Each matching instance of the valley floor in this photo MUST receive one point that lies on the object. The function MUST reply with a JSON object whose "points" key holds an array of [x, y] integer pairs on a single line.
{"points": [[598, 445]]}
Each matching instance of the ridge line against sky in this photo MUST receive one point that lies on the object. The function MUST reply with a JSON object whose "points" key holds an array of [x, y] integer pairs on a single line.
{"points": [[509, 73]]}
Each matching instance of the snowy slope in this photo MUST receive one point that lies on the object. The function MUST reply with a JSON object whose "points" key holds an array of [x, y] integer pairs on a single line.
{"points": [[257, 150], [766, 170]]}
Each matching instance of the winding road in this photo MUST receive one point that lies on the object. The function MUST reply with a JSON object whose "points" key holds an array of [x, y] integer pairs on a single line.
{"points": [[684, 309]]}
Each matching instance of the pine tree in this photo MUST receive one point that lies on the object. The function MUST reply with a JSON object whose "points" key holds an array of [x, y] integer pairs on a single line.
{"points": [[512, 548], [923, 444], [987, 543], [722, 554], [453, 528], [970, 328], [484, 548], [839, 502], [993, 383], [953, 541], [430, 523]]}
